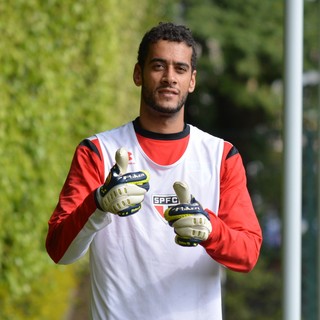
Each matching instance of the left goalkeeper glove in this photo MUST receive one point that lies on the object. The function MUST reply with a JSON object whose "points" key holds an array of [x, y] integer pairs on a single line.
{"points": [[122, 193], [190, 222]]}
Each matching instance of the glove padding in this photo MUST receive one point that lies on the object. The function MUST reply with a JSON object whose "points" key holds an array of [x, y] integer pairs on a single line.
{"points": [[190, 222], [123, 193]]}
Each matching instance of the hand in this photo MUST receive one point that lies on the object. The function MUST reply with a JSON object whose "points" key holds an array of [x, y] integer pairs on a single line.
{"points": [[190, 222], [123, 193]]}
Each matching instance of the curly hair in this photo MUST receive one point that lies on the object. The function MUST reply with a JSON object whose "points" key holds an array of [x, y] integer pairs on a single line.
{"points": [[170, 32]]}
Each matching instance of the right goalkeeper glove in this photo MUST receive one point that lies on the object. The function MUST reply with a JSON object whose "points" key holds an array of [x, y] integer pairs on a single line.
{"points": [[190, 222], [122, 193]]}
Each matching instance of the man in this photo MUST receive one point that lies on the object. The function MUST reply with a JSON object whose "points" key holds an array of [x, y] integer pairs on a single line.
{"points": [[160, 204]]}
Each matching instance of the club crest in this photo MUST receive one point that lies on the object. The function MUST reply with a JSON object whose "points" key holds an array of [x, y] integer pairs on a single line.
{"points": [[162, 202]]}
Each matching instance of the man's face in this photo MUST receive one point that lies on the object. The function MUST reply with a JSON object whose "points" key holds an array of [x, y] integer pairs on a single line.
{"points": [[167, 77]]}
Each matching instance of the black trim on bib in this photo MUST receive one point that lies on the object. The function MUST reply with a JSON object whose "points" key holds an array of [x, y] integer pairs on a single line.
{"points": [[233, 151], [89, 144], [160, 136]]}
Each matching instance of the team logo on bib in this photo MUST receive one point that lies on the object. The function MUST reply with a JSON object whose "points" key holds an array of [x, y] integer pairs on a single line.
{"points": [[130, 158], [162, 202]]}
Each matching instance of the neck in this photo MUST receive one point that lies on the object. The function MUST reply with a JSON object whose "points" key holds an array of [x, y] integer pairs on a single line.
{"points": [[162, 123]]}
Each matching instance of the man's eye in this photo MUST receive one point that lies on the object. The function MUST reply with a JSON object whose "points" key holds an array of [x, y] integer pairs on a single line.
{"points": [[158, 66], [181, 69]]}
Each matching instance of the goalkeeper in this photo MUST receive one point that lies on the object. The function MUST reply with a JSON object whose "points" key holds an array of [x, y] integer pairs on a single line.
{"points": [[160, 205]]}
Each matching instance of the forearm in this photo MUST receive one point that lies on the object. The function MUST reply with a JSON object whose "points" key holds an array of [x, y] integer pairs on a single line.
{"points": [[70, 233], [76, 217], [236, 249]]}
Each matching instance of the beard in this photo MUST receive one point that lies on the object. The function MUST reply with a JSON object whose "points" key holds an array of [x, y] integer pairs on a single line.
{"points": [[150, 100]]}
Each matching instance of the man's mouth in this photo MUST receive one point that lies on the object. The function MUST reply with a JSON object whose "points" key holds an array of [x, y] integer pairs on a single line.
{"points": [[168, 92]]}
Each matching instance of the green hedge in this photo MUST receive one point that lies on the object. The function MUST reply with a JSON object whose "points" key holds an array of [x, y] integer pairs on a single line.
{"points": [[66, 71]]}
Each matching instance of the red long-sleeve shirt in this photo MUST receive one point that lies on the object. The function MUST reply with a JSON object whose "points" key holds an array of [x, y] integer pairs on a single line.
{"points": [[236, 237]]}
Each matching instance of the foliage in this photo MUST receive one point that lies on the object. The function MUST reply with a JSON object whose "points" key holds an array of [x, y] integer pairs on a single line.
{"points": [[65, 74], [239, 70], [240, 60], [239, 97], [251, 296]]}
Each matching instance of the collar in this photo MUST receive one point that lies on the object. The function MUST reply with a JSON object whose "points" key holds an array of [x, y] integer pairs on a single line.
{"points": [[160, 136]]}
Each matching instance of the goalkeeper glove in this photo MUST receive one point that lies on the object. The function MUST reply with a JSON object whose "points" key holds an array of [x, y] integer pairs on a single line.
{"points": [[190, 222], [122, 193]]}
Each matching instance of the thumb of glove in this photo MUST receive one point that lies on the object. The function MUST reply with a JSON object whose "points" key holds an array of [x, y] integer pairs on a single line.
{"points": [[122, 160], [182, 191]]}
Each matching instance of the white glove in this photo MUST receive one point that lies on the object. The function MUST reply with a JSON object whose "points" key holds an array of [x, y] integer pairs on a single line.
{"points": [[190, 222], [122, 193]]}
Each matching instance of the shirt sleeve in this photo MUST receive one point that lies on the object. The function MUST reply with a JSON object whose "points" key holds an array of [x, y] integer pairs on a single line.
{"points": [[76, 217], [236, 235]]}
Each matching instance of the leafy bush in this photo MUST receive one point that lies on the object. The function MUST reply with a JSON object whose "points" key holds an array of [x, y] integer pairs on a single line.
{"points": [[65, 74]]}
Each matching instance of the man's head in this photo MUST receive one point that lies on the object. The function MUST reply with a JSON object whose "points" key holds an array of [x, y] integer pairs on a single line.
{"points": [[166, 72], [170, 32]]}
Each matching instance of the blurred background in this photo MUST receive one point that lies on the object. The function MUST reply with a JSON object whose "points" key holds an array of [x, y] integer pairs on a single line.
{"points": [[66, 73]]}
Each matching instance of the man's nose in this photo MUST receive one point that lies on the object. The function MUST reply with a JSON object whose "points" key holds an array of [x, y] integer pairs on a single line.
{"points": [[169, 76]]}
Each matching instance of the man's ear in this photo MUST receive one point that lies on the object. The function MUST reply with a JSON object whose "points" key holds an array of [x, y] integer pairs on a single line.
{"points": [[137, 75], [193, 81]]}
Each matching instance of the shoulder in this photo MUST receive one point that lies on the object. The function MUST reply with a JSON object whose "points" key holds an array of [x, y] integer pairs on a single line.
{"points": [[90, 144], [94, 143], [203, 137], [229, 150], [232, 167], [116, 132]]}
